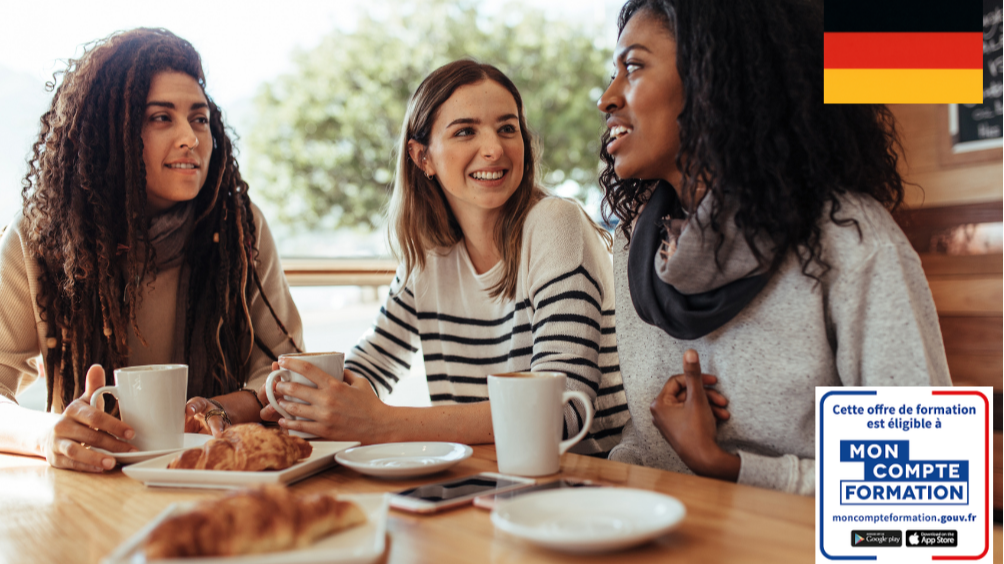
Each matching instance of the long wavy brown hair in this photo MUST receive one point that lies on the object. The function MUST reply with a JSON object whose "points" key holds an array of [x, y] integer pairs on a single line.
{"points": [[420, 216], [86, 222]]}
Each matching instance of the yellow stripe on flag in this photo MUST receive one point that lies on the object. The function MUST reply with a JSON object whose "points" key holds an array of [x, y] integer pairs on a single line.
{"points": [[903, 86]]}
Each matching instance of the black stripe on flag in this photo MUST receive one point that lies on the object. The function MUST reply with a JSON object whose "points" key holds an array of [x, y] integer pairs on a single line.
{"points": [[902, 15]]}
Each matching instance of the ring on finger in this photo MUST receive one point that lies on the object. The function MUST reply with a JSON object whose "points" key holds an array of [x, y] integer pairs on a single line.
{"points": [[221, 413]]}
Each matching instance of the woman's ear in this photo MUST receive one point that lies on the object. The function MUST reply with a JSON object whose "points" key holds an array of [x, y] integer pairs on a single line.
{"points": [[419, 155]]}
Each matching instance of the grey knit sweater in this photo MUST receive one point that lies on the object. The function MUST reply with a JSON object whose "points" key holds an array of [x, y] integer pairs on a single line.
{"points": [[870, 322]]}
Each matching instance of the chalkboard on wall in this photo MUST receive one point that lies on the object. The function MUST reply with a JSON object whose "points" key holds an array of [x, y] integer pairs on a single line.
{"points": [[976, 127]]}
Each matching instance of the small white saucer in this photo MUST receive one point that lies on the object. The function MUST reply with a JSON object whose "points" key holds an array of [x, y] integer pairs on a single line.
{"points": [[586, 520], [403, 460], [192, 440]]}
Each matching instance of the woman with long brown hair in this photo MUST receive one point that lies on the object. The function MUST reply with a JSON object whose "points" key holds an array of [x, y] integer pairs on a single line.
{"points": [[137, 244], [496, 276]]}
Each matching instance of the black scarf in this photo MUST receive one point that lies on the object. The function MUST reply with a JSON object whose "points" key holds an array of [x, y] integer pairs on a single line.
{"points": [[658, 301]]}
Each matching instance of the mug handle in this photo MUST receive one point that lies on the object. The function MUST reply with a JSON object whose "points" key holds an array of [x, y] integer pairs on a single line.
{"points": [[270, 392], [99, 396], [563, 446]]}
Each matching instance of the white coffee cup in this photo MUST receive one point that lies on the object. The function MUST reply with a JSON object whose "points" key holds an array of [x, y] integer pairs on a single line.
{"points": [[527, 416], [151, 401], [331, 362]]}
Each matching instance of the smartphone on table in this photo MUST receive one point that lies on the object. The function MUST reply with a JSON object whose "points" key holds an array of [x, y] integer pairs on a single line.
{"points": [[489, 500], [444, 495]]}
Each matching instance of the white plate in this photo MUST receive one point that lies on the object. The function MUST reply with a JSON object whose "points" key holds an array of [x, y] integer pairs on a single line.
{"points": [[584, 520], [156, 473], [403, 460], [192, 440], [359, 545]]}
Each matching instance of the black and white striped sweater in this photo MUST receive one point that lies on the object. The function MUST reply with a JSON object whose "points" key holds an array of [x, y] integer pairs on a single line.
{"points": [[562, 319]]}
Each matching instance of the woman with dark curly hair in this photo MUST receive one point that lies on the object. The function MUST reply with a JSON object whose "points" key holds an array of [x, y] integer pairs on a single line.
{"points": [[755, 240], [137, 244]]}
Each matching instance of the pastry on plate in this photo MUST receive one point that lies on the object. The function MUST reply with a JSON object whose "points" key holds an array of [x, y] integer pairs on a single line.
{"points": [[248, 447], [265, 519]]}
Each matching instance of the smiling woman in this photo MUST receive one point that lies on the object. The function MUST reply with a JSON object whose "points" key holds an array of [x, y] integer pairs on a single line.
{"points": [[644, 135], [496, 276], [755, 240], [177, 142], [476, 150], [137, 244]]}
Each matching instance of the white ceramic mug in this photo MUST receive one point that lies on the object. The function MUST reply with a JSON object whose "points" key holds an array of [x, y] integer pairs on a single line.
{"points": [[527, 416], [331, 362], [151, 401]]}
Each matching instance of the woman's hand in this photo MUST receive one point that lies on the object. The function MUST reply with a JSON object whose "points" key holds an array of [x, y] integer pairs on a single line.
{"points": [[268, 413], [344, 411], [80, 424], [689, 426], [677, 385], [196, 420]]}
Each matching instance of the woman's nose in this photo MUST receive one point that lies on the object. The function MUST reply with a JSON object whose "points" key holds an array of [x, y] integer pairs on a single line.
{"points": [[187, 139], [492, 149], [612, 98]]}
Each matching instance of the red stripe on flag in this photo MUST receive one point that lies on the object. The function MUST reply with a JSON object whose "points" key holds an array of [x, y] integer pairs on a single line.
{"points": [[894, 50]]}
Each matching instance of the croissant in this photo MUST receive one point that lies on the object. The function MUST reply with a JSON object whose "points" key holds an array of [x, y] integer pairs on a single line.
{"points": [[248, 447], [266, 519]]}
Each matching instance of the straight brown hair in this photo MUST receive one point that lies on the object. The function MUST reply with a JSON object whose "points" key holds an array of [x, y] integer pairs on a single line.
{"points": [[420, 216]]}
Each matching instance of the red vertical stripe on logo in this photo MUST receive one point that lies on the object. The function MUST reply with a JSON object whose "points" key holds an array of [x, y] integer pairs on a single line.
{"points": [[986, 474]]}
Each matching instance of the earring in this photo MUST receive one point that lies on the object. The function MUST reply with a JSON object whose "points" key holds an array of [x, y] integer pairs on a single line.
{"points": [[429, 176]]}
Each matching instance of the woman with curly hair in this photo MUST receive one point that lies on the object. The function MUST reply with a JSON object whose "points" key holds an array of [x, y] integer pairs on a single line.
{"points": [[137, 244], [496, 276], [755, 240]]}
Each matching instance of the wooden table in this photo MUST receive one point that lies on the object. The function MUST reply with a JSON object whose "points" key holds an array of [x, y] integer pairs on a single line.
{"points": [[61, 516]]}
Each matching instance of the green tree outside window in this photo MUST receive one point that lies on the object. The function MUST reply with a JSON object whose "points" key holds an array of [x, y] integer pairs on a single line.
{"points": [[321, 148]]}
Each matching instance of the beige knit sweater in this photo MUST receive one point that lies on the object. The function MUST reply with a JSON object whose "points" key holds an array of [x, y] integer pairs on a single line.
{"points": [[22, 332]]}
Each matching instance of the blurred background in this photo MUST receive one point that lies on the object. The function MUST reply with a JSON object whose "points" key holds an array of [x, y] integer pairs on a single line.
{"points": [[315, 92]]}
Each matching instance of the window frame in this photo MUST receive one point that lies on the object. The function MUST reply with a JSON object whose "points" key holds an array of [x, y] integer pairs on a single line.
{"points": [[339, 272]]}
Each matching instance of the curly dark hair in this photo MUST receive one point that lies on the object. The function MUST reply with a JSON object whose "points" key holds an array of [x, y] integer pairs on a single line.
{"points": [[754, 131], [85, 220]]}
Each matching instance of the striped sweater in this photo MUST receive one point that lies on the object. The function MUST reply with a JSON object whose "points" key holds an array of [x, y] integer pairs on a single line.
{"points": [[562, 319]]}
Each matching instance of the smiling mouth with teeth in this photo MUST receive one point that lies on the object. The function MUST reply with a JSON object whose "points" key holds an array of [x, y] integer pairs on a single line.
{"points": [[618, 131], [182, 165], [480, 175]]}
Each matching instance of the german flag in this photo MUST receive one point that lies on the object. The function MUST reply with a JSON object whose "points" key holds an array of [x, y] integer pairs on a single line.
{"points": [[903, 52]]}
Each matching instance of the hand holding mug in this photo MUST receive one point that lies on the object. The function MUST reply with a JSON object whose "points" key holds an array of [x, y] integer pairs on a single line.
{"points": [[689, 425], [308, 393], [151, 399], [81, 424], [268, 413]]}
